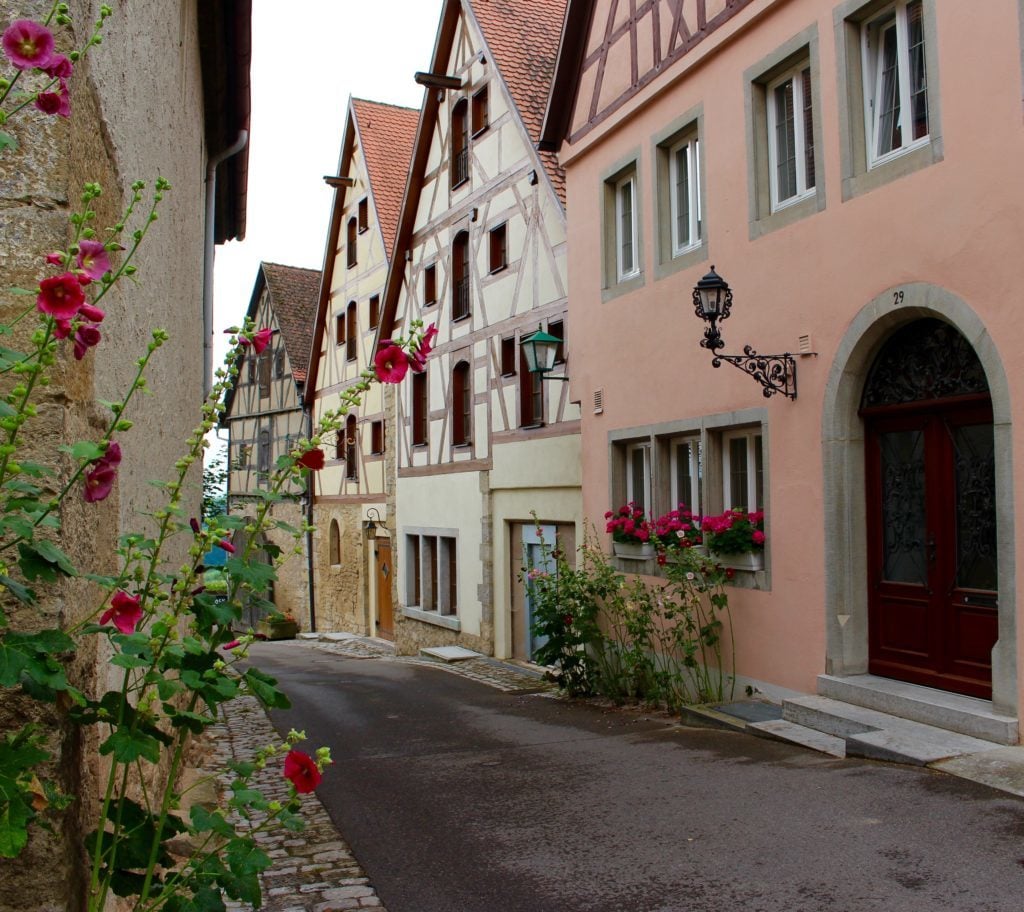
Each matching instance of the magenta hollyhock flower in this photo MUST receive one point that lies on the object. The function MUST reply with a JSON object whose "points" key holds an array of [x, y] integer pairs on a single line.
{"points": [[234, 644], [300, 769], [312, 459], [91, 312], [226, 546], [59, 67], [55, 102], [28, 44], [61, 329], [391, 364], [93, 259], [55, 259], [261, 339], [112, 455], [99, 482], [125, 611], [60, 296], [418, 359], [86, 336]]}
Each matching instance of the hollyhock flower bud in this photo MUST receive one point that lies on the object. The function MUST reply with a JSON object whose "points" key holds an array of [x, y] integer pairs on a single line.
{"points": [[86, 337], [125, 611], [62, 329], [261, 339], [194, 524], [226, 546], [391, 364], [55, 259], [59, 67], [300, 769], [93, 259], [91, 312], [60, 296], [312, 459], [27, 44]]}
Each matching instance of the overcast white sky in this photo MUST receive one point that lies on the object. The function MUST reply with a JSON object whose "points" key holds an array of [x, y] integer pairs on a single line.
{"points": [[308, 57]]}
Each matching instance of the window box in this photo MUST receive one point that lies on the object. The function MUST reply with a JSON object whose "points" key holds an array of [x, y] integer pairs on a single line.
{"points": [[751, 561], [633, 550], [279, 630]]}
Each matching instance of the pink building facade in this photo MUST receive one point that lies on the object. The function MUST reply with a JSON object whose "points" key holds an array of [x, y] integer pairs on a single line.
{"points": [[852, 170]]}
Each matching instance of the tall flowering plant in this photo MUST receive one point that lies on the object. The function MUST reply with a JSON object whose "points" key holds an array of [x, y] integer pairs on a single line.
{"points": [[166, 636], [628, 524], [735, 532]]}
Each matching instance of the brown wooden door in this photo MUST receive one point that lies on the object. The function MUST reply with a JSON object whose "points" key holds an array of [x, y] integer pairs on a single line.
{"points": [[385, 608], [931, 545]]}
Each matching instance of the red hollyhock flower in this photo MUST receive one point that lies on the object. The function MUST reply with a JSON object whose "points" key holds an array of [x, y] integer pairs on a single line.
{"points": [[59, 67], [60, 296], [28, 44], [92, 312], [99, 482], [300, 769], [85, 338], [261, 339], [391, 364], [312, 459], [55, 102], [225, 545], [418, 359], [93, 259], [125, 611]]}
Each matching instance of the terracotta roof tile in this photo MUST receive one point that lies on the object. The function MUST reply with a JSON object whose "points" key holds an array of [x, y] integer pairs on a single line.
{"points": [[294, 293], [386, 133], [523, 36]]}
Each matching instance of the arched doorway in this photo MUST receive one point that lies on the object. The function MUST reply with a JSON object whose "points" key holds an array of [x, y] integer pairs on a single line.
{"points": [[931, 518]]}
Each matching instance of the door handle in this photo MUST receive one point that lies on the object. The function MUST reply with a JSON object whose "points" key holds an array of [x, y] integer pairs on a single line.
{"points": [[931, 549]]}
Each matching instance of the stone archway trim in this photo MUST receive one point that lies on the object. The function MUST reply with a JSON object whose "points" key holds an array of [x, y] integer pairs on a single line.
{"points": [[842, 434]]}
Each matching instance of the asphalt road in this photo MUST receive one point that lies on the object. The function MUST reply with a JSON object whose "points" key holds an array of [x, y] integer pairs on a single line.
{"points": [[458, 798]]}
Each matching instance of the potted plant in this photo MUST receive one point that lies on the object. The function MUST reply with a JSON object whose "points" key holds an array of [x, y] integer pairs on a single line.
{"points": [[737, 538], [631, 532], [279, 626], [678, 531]]}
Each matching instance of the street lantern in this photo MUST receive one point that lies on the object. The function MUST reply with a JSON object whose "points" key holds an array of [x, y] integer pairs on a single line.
{"points": [[540, 350]]}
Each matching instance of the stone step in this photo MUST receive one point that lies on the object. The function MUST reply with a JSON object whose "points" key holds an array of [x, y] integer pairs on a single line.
{"points": [[947, 711], [449, 653], [791, 733]]}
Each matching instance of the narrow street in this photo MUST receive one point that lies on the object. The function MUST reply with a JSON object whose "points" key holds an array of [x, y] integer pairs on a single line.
{"points": [[456, 797]]}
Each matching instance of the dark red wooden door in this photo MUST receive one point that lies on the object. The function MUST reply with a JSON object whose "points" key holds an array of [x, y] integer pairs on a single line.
{"points": [[931, 544]]}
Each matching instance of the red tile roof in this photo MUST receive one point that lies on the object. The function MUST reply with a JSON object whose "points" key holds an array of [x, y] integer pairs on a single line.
{"points": [[523, 36], [294, 293], [386, 134]]}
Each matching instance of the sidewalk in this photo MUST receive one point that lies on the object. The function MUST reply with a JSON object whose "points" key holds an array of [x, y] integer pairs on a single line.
{"points": [[314, 871]]}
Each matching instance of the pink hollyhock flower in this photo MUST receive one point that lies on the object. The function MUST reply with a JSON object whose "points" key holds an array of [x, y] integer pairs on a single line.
{"points": [[59, 67], [225, 545], [112, 455], [55, 259], [418, 359], [234, 644], [300, 769], [312, 459], [391, 364], [99, 482], [125, 610], [91, 312], [93, 259], [55, 102], [86, 337], [61, 329], [60, 296], [261, 339], [28, 44]]}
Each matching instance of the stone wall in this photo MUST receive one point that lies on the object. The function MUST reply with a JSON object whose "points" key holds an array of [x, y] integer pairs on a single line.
{"points": [[136, 113], [340, 589]]}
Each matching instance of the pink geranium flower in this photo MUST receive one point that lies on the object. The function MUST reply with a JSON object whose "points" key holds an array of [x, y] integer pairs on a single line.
{"points": [[28, 44], [300, 769], [312, 459], [125, 611], [60, 296], [391, 364], [93, 259]]}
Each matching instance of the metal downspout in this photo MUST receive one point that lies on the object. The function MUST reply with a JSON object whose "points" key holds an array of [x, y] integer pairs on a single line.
{"points": [[208, 255], [309, 523]]}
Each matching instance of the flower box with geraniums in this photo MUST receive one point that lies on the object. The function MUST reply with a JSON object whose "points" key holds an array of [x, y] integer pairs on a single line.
{"points": [[631, 532], [736, 538], [278, 626], [678, 532]]}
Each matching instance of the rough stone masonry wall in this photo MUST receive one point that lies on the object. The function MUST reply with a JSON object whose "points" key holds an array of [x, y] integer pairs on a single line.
{"points": [[136, 113], [340, 589]]}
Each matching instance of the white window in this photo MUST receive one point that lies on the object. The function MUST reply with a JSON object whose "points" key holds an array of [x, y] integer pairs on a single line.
{"points": [[432, 573], [626, 228], [684, 180], [638, 475], [742, 471], [895, 81], [791, 137], [687, 459]]}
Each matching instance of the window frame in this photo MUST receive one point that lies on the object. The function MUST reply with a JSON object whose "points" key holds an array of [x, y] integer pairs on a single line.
{"points": [[462, 404], [352, 255], [480, 112], [497, 243], [531, 395], [691, 143], [363, 211], [374, 315], [624, 170], [802, 144], [754, 451], [462, 305], [419, 413], [646, 499], [694, 499], [431, 581], [621, 273], [339, 328], [460, 143], [430, 284], [351, 449], [351, 331], [508, 356], [378, 440]]}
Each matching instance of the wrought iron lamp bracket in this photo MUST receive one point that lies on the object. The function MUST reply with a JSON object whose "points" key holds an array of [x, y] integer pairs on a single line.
{"points": [[775, 373]]}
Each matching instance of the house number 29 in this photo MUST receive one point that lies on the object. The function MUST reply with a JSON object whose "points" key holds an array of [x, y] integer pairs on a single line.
{"points": [[897, 298]]}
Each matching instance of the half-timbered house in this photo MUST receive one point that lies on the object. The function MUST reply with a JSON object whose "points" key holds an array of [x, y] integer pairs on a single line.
{"points": [[825, 157], [485, 450], [353, 504], [264, 413]]}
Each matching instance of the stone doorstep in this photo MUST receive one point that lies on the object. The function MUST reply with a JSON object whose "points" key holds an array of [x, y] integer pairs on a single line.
{"points": [[791, 733], [937, 708], [449, 653]]}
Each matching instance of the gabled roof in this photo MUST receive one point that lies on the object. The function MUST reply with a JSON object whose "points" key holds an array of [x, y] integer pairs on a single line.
{"points": [[293, 297], [523, 36], [522, 44], [386, 134], [579, 15]]}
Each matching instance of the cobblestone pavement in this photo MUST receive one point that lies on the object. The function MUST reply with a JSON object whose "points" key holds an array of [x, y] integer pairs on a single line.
{"points": [[315, 871]]}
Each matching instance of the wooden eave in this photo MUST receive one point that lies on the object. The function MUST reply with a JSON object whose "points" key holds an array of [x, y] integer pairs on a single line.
{"points": [[579, 16]]}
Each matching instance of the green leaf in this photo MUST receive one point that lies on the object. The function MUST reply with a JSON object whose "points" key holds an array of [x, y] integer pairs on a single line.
{"points": [[253, 574], [262, 686], [244, 858], [8, 142], [129, 661], [204, 820], [14, 818], [21, 593], [128, 746], [34, 566], [12, 663], [49, 551], [84, 450], [194, 722], [44, 642]]}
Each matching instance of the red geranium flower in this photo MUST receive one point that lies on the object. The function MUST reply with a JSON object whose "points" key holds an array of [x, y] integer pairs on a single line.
{"points": [[60, 296], [312, 459], [300, 769], [125, 611], [28, 44], [391, 364]]}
